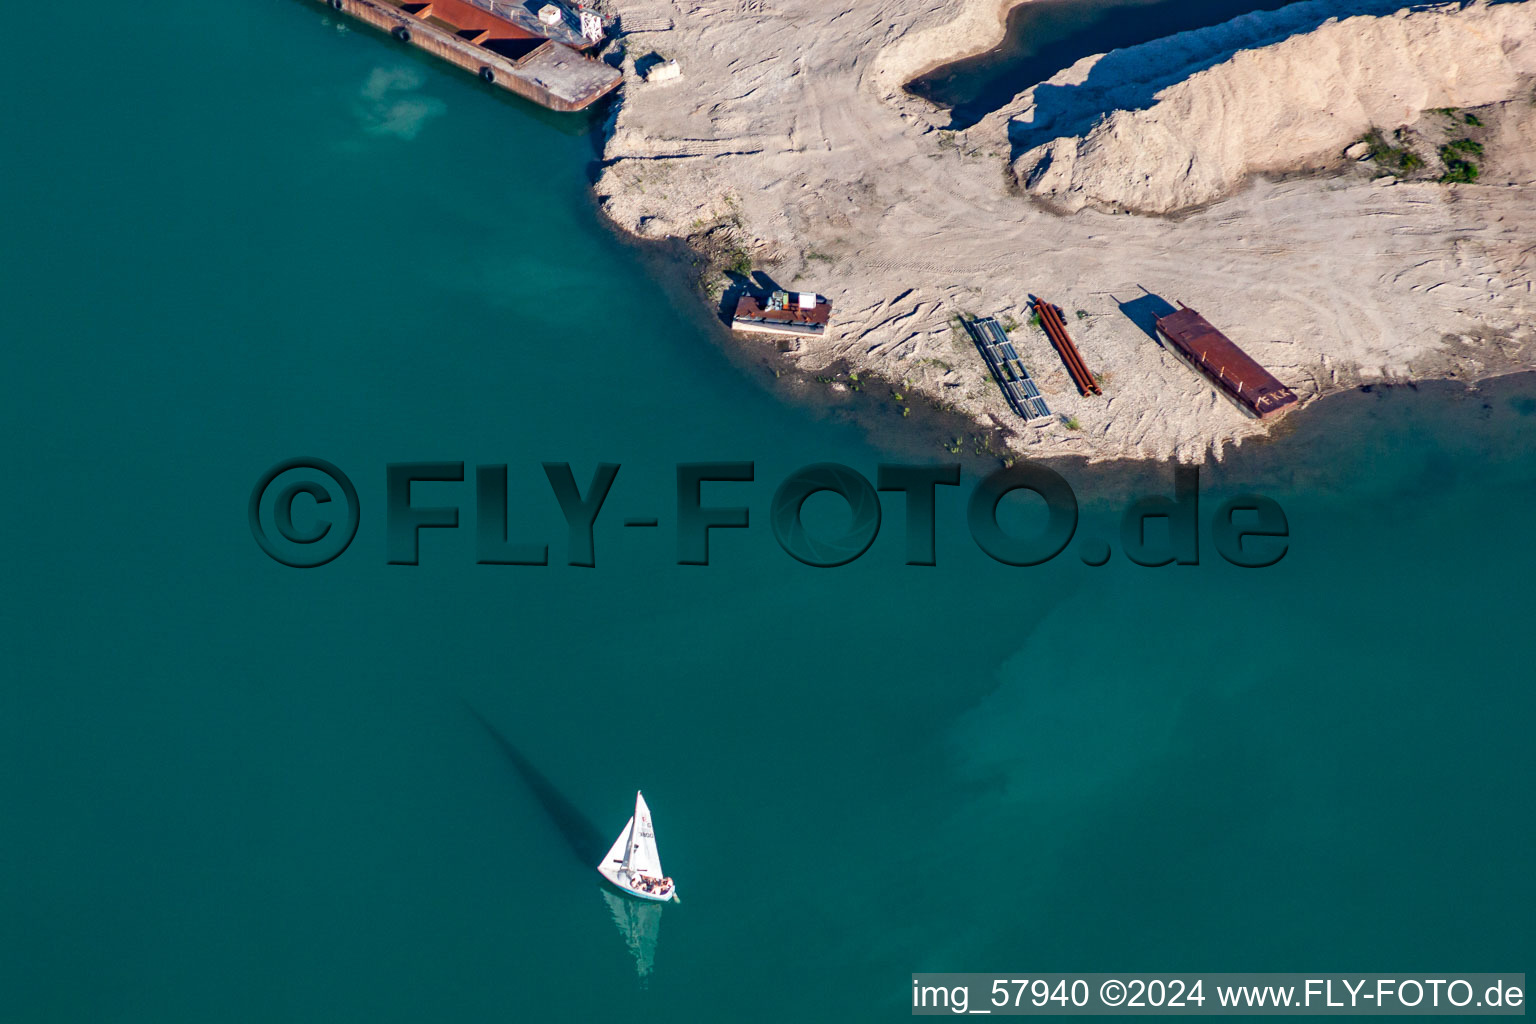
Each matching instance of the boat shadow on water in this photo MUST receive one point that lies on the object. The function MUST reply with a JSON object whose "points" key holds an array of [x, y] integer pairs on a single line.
{"points": [[638, 922], [586, 843]]}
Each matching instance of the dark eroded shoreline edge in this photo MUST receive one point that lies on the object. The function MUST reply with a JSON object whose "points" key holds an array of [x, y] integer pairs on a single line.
{"points": [[1295, 448]]}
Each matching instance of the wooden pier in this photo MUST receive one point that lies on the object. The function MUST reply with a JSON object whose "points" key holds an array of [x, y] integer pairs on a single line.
{"points": [[1055, 326], [1018, 387], [551, 74]]}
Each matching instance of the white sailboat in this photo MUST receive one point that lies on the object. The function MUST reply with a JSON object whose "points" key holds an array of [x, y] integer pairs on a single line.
{"points": [[633, 862]]}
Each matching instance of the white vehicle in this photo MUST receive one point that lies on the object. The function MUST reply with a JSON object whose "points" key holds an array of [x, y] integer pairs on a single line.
{"points": [[633, 863]]}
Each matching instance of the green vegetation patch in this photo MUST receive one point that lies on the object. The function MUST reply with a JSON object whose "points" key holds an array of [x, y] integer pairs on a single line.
{"points": [[1458, 169], [1399, 159], [1459, 172]]}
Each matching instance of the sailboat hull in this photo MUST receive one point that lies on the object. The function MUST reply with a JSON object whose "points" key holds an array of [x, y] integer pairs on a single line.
{"points": [[634, 855], [618, 882]]}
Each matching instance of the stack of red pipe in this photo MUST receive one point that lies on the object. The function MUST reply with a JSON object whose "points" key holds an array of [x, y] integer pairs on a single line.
{"points": [[1056, 329]]}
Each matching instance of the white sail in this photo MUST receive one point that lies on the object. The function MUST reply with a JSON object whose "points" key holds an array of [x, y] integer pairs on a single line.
{"points": [[633, 863], [617, 855], [642, 857]]}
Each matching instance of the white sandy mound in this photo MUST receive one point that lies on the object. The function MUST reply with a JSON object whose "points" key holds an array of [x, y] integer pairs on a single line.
{"points": [[1295, 104]]}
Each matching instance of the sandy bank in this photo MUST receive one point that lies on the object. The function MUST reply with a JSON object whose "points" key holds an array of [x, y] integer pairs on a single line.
{"points": [[788, 144], [1294, 101]]}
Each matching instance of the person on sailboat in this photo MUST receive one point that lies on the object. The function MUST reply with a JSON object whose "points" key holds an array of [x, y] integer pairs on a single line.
{"points": [[633, 857], [653, 885]]}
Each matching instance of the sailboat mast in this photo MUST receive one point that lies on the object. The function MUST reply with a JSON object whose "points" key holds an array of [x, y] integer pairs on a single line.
{"points": [[636, 823]]}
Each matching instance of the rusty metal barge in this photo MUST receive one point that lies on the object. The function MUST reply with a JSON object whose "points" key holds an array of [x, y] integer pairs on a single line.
{"points": [[537, 55], [782, 312], [1055, 326], [1190, 338]]}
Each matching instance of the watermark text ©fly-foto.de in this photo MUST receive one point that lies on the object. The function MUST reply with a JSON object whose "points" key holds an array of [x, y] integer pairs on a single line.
{"points": [[1247, 530]]}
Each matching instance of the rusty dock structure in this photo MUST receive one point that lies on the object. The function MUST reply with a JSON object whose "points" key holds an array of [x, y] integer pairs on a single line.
{"points": [[783, 312], [1018, 387], [1191, 339], [537, 55], [1055, 326]]}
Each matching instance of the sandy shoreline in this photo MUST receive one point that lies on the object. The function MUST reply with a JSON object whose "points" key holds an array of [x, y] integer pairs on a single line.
{"points": [[1322, 449], [1307, 447], [798, 152]]}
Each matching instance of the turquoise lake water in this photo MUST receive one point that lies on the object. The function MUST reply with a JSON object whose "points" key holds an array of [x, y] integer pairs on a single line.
{"points": [[234, 791]]}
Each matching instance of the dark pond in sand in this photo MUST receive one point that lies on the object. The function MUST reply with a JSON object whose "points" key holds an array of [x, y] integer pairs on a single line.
{"points": [[1047, 35]]}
